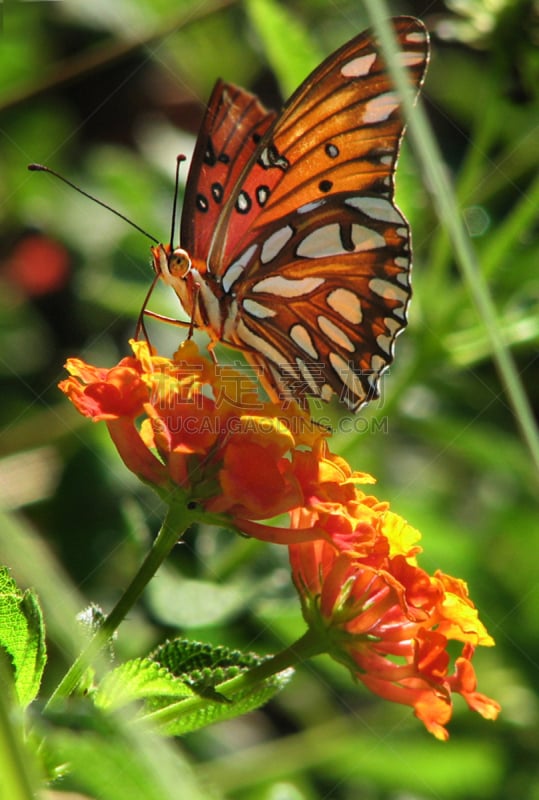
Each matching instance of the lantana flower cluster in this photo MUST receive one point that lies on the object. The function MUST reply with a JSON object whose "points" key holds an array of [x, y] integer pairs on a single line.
{"points": [[188, 423]]}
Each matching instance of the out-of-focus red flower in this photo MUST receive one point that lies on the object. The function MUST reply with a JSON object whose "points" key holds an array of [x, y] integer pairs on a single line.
{"points": [[387, 620], [38, 265]]}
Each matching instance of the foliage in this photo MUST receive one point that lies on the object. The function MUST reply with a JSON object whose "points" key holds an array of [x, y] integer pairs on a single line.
{"points": [[108, 94], [22, 637]]}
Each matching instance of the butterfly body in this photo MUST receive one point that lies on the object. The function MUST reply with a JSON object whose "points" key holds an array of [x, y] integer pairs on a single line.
{"points": [[297, 254]]}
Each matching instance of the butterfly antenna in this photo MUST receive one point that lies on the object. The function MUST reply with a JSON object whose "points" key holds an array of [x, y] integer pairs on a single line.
{"points": [[41, 168], [179, 160]]}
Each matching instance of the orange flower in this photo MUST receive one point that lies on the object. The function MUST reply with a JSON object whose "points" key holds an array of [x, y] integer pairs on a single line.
{"points": [[188, 422], [387, 620], [256, 476], [104, 394]]}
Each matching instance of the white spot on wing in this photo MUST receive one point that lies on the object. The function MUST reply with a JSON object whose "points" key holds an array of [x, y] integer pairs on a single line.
{"points": [[312, 206], [378, 365], [326, 392], [417, 37], [389, 291], [409, 58], [375, 207], [302, 338], [287, 287], [392, 325], [403, 278], [324, 241], [307, 376], [257, 310], [380, 107], [358, 67], [386, 342], [275, 243], [346, 304], [344, 371], [235, 270], [334, 333], [366, 239], [260, 345]]}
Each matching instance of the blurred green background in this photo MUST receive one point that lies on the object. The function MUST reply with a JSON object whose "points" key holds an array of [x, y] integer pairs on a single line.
{"points": [[108, 93]]}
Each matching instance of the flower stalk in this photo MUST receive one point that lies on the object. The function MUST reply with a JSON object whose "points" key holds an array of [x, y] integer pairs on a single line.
{"points": [[180, 516]]}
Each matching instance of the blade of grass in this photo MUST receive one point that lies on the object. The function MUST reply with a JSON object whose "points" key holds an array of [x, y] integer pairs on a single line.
{"points": [[469, 178], [523, 216]]}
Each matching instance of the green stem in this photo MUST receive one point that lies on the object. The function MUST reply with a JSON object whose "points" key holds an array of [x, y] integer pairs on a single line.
{"points": [[16, 765], [178, 518], [309, 645]]}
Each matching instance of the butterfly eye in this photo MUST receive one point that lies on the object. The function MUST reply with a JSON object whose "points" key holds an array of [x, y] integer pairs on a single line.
{"points": [[179, 263]]}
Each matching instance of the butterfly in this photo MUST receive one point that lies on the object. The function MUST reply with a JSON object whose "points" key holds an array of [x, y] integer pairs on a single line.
{"points": [[292, 248]]}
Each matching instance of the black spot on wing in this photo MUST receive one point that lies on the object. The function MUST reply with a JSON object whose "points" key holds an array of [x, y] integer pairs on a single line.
{"points": [[243, 203], [332, 151], [202, 203]]}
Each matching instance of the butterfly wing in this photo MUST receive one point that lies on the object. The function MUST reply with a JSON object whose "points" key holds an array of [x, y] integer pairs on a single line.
{"points": [[311, 255], [233, 125], [325, 296]]}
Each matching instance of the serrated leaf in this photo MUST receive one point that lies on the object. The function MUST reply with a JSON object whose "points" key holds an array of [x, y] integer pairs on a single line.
{"points": [[22, 636], [139, 679], [205, 667], [188, 716]]}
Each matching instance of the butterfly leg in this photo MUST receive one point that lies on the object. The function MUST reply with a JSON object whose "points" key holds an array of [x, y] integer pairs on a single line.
{"points": [[179, 323], [141, 326], [211, 350]]}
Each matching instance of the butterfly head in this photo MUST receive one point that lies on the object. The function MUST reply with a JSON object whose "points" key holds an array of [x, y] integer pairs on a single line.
{"points": [[176, 269], [171, 265]]}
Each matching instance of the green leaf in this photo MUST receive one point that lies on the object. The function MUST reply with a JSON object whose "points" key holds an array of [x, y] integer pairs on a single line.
{"points": [[22, 636], [139, 679], [196, 602], [205, 667], [180, 680], [287, 44]]}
